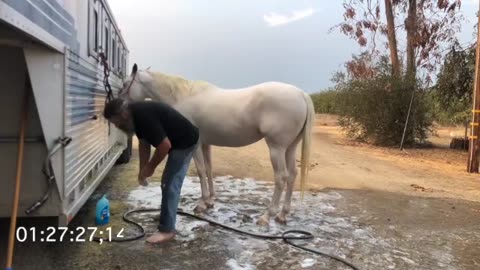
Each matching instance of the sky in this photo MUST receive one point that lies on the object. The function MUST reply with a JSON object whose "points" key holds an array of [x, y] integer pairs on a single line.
{"points": [[238, 43]]}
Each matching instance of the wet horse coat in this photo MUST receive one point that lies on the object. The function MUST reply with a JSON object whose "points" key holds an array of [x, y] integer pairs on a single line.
{"points": [[277, 112]]}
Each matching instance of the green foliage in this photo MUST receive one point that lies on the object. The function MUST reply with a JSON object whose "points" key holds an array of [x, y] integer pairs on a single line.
{"points": [[456, 77], [325, 101], [374, 110], [455, 113], [451, 97]]}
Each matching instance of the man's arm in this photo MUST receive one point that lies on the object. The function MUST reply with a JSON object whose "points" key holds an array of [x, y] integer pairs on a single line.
{"points": [[144, 153], [160, 152]]}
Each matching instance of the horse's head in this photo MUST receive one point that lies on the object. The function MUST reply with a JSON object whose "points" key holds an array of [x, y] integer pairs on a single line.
{"points": [[133, 87]]}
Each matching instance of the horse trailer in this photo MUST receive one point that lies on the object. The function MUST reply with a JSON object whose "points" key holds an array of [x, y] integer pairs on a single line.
{"points": [[53, 55]]}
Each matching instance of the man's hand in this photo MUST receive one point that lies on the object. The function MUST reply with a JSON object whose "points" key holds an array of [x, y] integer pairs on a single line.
{"points": [[142, 181], [147, 168], [147, 171]]}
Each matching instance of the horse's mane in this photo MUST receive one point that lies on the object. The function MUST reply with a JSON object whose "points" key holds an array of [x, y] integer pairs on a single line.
{"points": [[177, 87]]}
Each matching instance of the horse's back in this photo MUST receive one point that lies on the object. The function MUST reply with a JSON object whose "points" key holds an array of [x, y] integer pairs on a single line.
{"points": [[263, 94], [281, 110], [243, 116], [273, 97]]}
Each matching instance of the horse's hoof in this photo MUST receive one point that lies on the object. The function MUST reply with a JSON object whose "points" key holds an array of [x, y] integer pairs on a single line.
{"points": [[199, 209], [262, 222], [209, 203], [281, 220]]}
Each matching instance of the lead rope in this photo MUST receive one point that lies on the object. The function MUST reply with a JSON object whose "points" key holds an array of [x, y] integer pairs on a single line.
{"points": [[106, 75]]}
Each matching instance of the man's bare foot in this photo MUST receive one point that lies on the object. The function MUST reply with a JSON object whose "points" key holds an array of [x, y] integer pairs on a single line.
{"points": [[160, 237]]}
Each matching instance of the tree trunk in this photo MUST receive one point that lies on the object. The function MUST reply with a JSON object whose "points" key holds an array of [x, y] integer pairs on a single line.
{"points": [[411, 25], [392, 38]]}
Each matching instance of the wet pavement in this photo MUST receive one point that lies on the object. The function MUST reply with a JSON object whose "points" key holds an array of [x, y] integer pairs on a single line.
{"points": [[371, 229]]}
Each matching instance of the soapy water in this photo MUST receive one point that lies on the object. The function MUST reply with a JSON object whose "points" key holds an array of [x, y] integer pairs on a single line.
{"points": [[240, 202]]}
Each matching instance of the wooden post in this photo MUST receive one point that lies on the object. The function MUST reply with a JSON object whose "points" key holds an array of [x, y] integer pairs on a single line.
{"points": [[465, 137], [473, 159], [18, 179]]}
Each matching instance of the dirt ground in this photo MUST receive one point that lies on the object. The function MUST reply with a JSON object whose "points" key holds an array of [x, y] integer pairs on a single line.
{"points": [[378, 208], [340, 163]]}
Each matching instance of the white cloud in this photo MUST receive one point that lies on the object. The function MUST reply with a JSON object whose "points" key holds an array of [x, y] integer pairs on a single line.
{"points": [[276, 19], [470, 3]]}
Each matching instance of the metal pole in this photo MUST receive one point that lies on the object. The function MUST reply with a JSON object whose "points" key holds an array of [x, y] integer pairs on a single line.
{"points": [[408, 117], [474, 142]]}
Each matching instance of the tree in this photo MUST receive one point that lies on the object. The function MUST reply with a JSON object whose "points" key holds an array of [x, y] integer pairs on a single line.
{"points": [[411, 27], [453, 89], [362, 67], [373, 110], [427, 25], [392, 38]]}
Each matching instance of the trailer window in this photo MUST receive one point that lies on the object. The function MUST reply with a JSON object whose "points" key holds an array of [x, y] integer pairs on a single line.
{"points": [[107, 40], [122, 68], [114, 51], [95, 18], [119, 57], [94, 28], [123, 64]]}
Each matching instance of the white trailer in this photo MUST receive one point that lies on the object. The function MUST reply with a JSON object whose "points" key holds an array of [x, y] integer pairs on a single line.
{"points": [[51, 48]]}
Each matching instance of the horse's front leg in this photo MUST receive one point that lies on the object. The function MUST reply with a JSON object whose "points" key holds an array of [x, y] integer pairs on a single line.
{"points": [[200, 165], [207, 155]]}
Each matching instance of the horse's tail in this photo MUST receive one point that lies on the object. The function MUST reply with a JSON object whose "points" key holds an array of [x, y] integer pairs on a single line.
{"points": [[306, 142]]}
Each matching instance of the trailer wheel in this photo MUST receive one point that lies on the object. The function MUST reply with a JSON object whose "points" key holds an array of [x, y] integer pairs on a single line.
{"points": [[124, 158]]}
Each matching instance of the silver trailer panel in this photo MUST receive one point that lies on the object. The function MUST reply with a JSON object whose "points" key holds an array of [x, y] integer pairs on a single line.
{"points": [[55, 46]]}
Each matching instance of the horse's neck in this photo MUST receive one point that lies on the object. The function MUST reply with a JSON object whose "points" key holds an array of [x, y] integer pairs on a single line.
{"points": [[171, 89]]}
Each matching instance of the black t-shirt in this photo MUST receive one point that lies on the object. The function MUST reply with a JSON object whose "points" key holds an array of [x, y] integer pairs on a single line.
{"points": [[155, 120]]}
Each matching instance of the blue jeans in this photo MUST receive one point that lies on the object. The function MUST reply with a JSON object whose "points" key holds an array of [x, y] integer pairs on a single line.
{"points": [[172, 180]]}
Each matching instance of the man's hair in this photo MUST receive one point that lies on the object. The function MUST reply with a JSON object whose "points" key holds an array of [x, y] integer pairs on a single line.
{"points": [[114, 108]]}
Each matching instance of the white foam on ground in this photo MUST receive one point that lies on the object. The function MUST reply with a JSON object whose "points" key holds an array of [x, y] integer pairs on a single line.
{"points": [[146, 197], [234, 265], [240, 202], [307, 263]]}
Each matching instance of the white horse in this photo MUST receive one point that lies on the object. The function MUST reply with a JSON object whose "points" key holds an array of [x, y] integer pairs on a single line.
{"points": [[278, 112]]}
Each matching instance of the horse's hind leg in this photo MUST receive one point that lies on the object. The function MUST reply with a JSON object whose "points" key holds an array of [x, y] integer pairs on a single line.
{"points": [[200, 165], [207, 156], [292, 174], [277, 157]]}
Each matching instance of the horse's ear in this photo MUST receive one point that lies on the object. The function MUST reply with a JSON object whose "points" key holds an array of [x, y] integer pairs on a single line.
{"points": [[135, 68]]}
